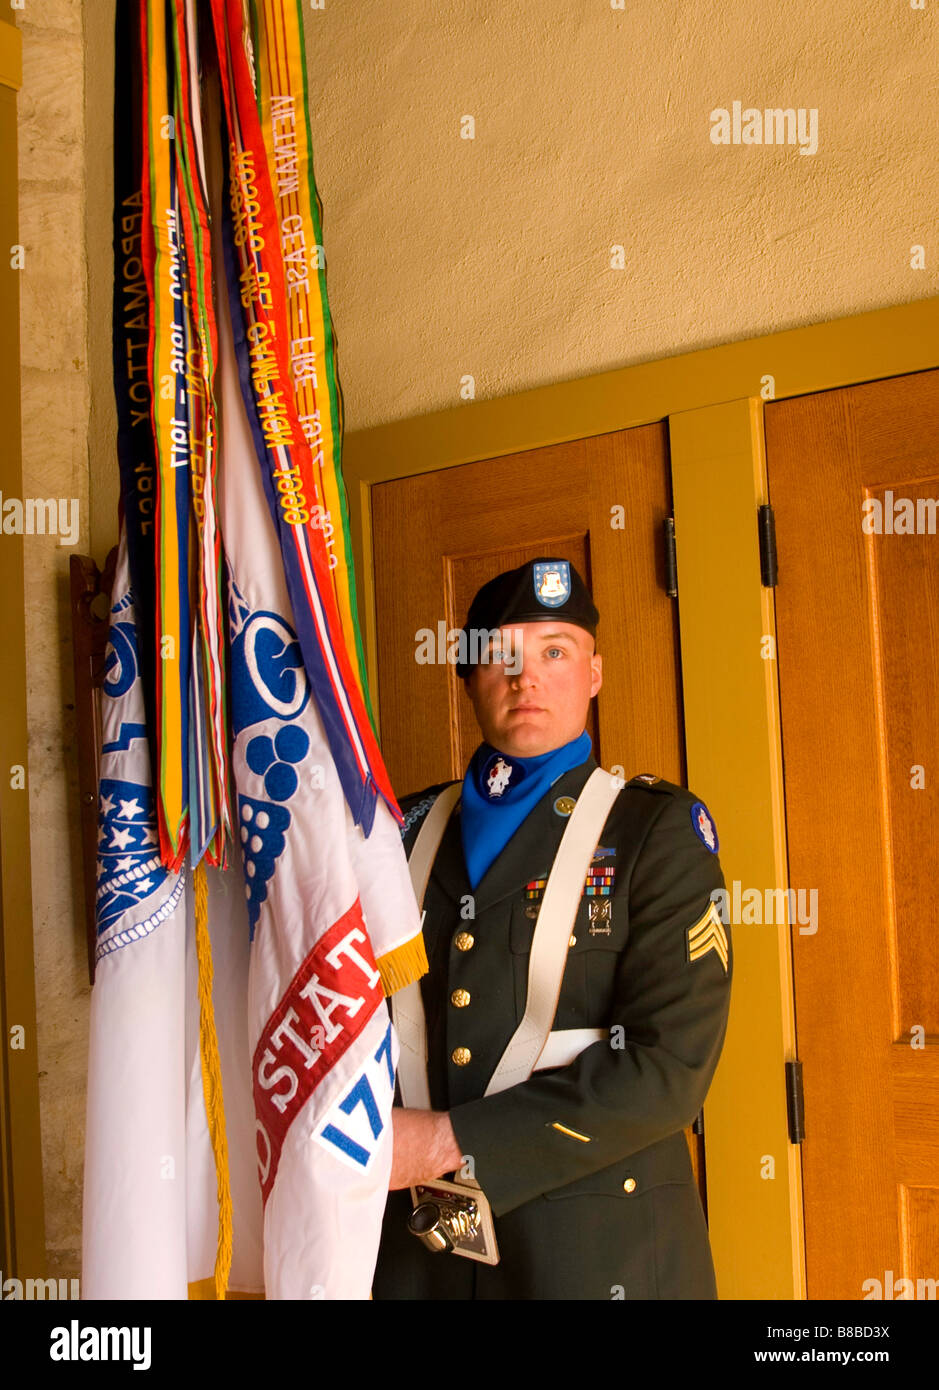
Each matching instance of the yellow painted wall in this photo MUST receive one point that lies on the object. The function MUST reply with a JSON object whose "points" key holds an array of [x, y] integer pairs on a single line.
{"points": [[491, 257], [487, 258]]}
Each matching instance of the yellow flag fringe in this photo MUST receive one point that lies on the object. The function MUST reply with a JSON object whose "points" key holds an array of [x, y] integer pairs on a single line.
{"points": [[401, 966]]}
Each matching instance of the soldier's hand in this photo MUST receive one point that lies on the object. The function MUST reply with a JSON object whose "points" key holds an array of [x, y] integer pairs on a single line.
{"points": [[425, 1147]]}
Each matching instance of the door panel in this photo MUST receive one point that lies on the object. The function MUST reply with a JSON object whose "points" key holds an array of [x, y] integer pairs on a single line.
{"points": [[858, 650]]}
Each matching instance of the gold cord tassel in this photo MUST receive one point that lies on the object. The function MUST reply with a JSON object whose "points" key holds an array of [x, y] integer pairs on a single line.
{"points": [[212, 1082]]}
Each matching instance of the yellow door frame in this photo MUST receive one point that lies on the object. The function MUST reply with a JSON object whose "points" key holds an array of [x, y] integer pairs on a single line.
{"points": [[713, 401], [22, 1236]]}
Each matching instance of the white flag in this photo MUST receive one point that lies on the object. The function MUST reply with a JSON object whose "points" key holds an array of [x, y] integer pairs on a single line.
{"points": [[150, 1221], [324, 902]]}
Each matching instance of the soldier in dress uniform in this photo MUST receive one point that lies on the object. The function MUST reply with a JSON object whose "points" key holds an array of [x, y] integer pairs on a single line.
{"points": [[584, 1164]]}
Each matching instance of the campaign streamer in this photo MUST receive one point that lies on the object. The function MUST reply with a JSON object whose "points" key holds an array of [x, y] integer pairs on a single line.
{"points": [[283, 107], [287, 454]]}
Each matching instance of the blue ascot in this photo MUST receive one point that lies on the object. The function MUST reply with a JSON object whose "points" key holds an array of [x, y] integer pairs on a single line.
{"points": [[499, 790]]}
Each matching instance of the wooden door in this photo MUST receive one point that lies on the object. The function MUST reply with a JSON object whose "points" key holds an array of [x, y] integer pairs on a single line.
{"points": [[599, 503], [858, 650]]}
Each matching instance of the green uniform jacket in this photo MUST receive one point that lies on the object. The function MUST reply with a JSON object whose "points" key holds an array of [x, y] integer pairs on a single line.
{"points": [[618, 1216]]}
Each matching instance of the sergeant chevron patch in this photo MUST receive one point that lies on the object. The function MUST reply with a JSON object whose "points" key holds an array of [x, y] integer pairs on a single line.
{"points": [[708, 934]]}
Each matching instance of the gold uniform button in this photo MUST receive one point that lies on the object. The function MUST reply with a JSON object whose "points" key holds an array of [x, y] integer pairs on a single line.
{"points": [[564, 805], [460, 1056], [460, 998], [572, 942], [531, 912], [629, 1185], [464, 941]]}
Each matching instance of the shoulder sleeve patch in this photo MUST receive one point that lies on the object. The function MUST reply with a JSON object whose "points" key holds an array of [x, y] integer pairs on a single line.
{"points": [[703, 825]]}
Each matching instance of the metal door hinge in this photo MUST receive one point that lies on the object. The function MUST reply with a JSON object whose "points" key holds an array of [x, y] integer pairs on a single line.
{"points": [[767, 529], [795, 1103], [671, 558]]}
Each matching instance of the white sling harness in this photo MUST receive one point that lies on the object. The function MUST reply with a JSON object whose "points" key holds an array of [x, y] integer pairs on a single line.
{"points": [[533, 1046]]}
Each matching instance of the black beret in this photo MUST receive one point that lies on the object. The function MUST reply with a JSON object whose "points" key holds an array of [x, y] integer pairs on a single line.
{"points": [[542, 590]]}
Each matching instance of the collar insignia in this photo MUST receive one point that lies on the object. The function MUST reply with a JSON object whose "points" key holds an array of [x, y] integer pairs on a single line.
{"points": [[498, 773]]}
